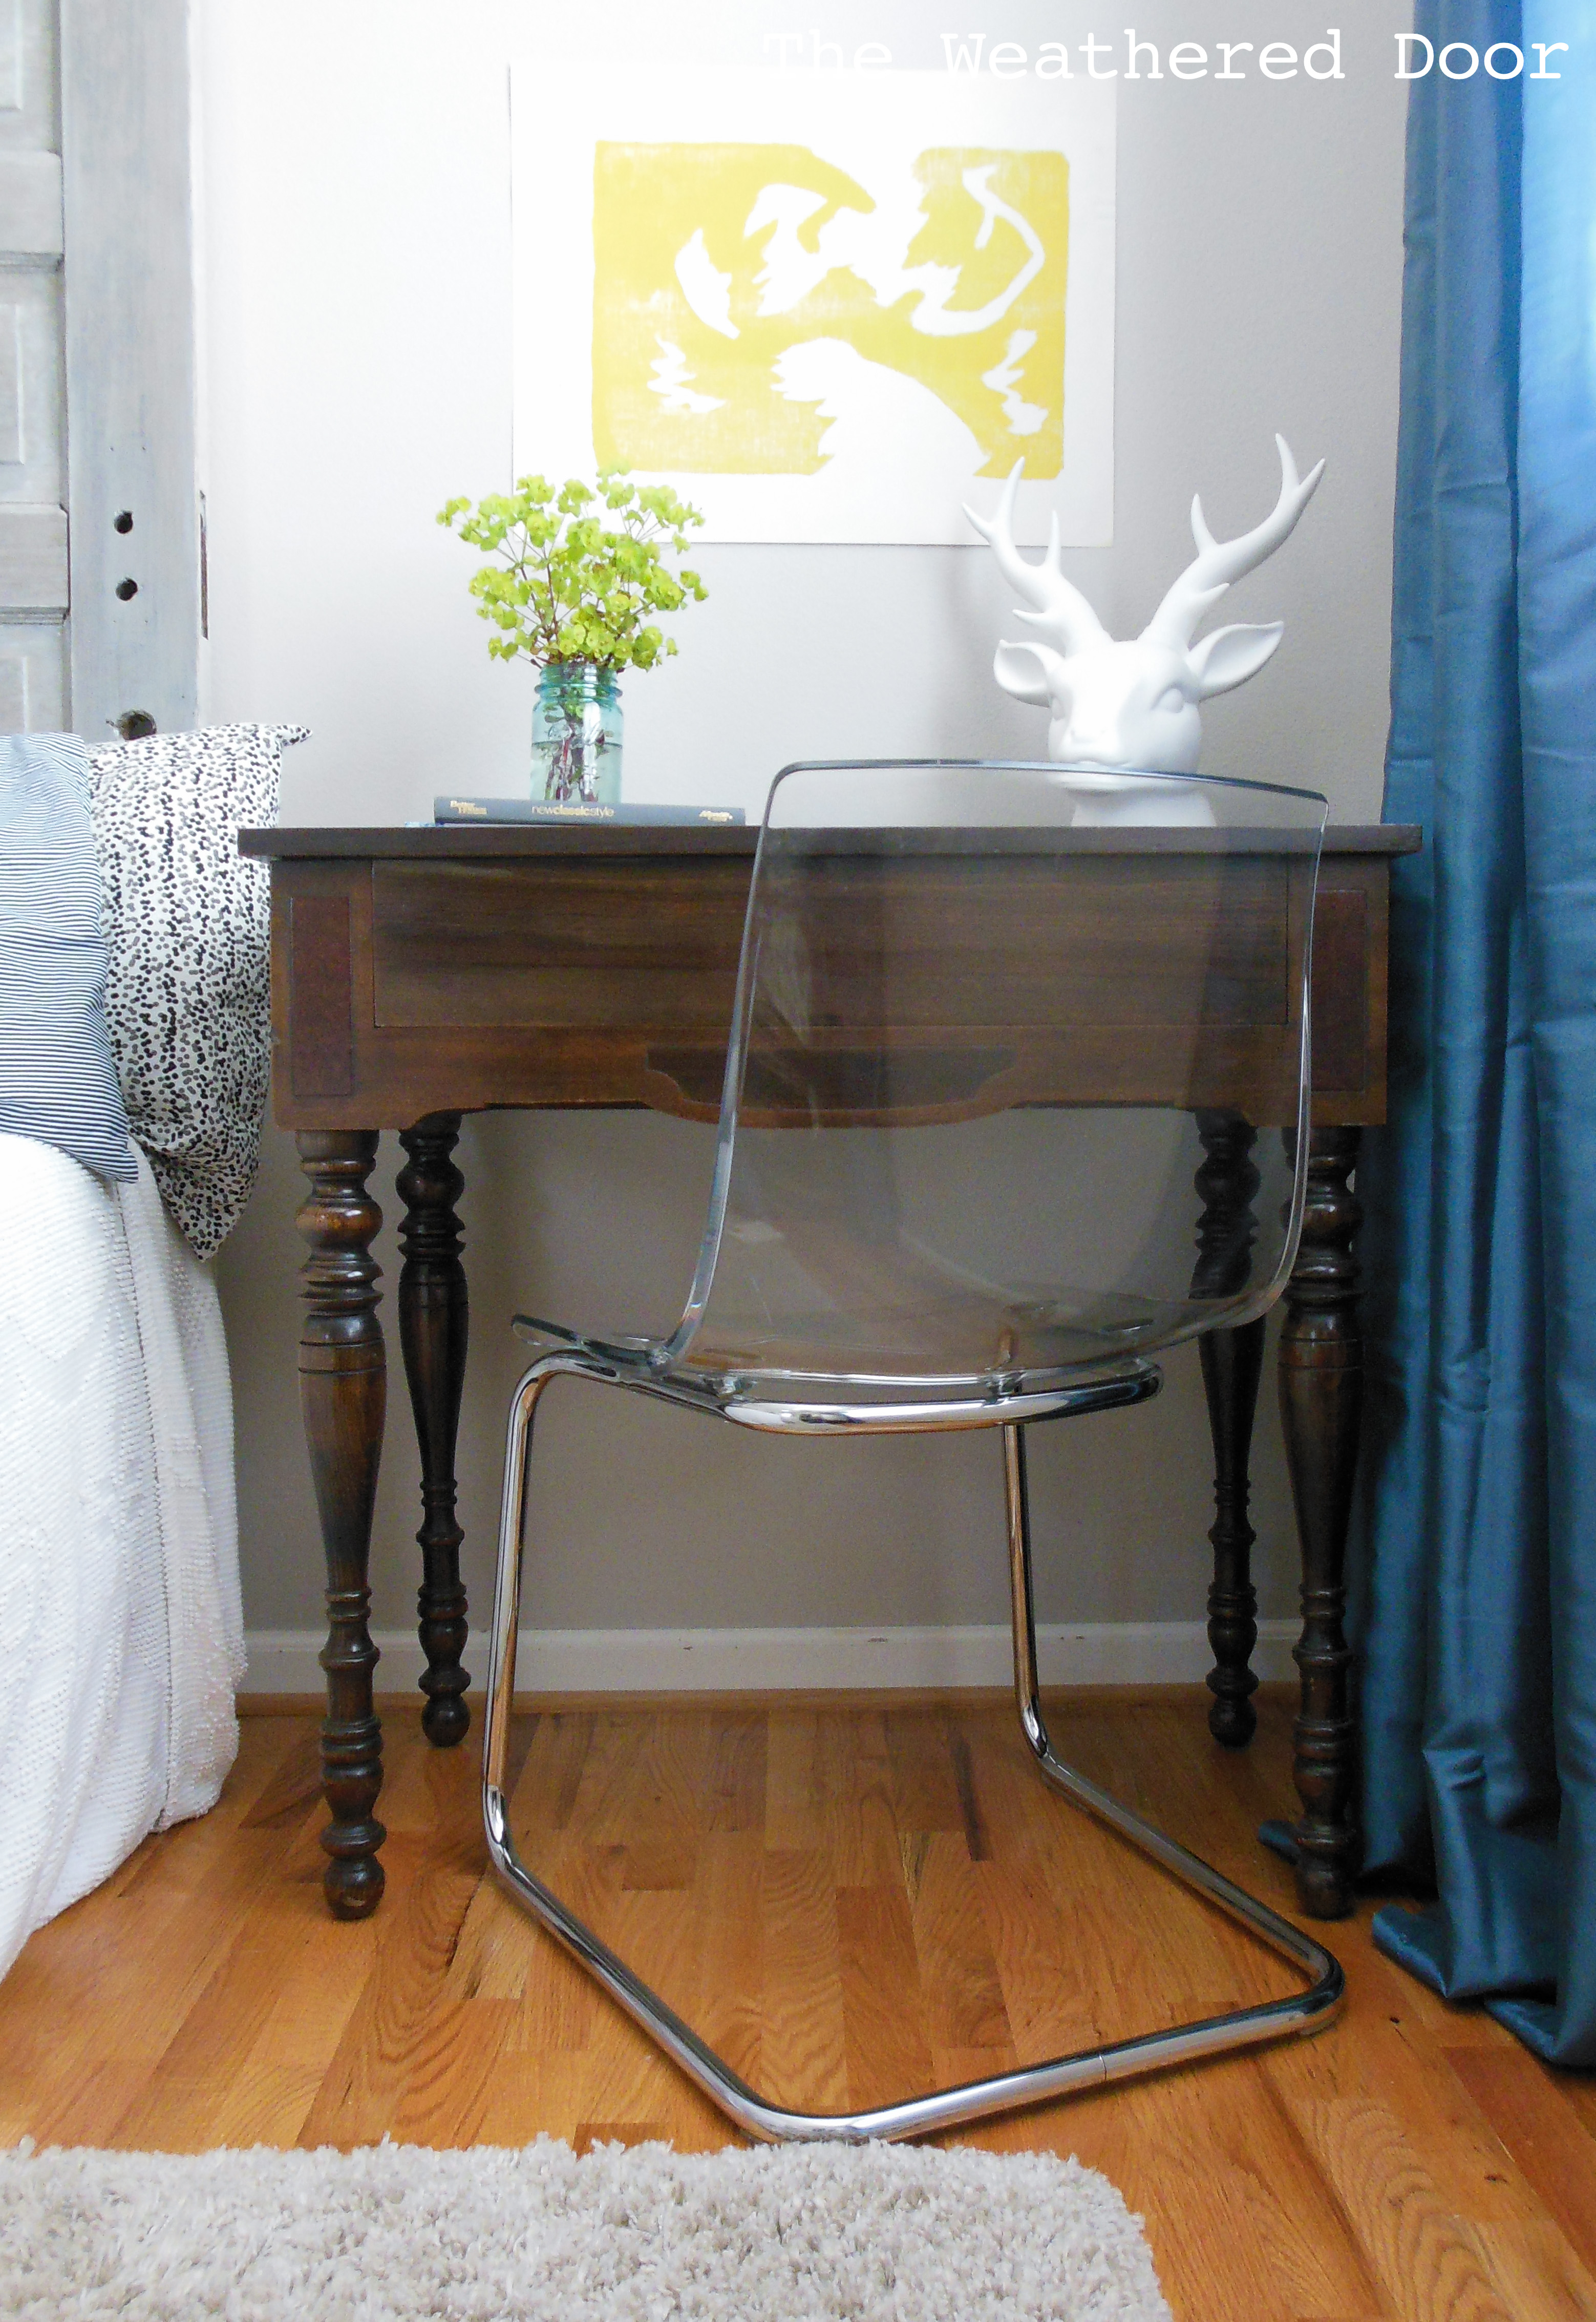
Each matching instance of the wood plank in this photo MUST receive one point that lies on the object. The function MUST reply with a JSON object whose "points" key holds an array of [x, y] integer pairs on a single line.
{"points": [[207, 2064], [1424, 2256], [1047, 2000], [729, 1917], [448, 2089], [491, 1958], [603, 1810], [803, 2035], [264, 2089], [889, 2055], [656, 1930], [1540, 2277], [861, 1817], [1053, 1963], [735, 1783], [1579, 2089], [962, 1991], [430, 1890], [534, 2096], [295, 1787], [1394, 2062], [795, 1798], [668, 1778], [1532, 2114], [559, 2002], [544, 1797], [925, 1785]]}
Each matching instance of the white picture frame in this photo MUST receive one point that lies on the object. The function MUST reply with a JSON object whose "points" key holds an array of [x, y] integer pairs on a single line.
{"points": [[801, 364]]}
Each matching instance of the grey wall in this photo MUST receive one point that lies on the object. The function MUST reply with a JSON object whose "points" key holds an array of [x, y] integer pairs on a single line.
{"points": [[357, 344]]}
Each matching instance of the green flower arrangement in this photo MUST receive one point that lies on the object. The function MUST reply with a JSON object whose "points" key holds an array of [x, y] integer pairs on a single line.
{"points": [[569, 587]]}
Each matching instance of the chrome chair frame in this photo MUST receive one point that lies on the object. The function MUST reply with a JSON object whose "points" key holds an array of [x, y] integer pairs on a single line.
{"points": [[918, 2116]]}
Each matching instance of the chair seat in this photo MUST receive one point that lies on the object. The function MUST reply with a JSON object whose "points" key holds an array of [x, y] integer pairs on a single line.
{"points": [[789, 1400]]}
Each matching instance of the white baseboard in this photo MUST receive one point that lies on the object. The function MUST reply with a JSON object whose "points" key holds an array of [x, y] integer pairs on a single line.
{"points": [[792, 1660]]}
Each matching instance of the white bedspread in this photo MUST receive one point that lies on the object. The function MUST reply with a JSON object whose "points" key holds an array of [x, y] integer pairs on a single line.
{"points": [[119, 1593]]}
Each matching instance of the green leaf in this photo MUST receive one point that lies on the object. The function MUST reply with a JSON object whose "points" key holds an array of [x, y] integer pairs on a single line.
{"points": [[566, 587]]}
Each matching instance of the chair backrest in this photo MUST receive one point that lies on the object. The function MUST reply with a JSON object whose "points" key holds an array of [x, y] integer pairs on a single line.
{"points": [[1005, 1093]]}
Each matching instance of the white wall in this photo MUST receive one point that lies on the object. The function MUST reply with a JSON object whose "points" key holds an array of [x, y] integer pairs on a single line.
{"points": [[356, 235]]}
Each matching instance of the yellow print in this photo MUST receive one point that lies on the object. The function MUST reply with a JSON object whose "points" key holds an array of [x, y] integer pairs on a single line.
{"points": [[748, 298]]}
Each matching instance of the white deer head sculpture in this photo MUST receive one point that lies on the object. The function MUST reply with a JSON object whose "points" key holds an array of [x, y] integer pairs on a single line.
{"points": [[1123, 705]]}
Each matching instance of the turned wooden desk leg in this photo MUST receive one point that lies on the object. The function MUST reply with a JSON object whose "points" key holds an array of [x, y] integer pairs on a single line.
{"points": [[1321, 1382], [343, 1389], [433, 1321], [1232, 1366]]}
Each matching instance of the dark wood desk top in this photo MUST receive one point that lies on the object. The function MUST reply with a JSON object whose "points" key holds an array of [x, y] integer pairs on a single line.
{"points": [[472, 842]]}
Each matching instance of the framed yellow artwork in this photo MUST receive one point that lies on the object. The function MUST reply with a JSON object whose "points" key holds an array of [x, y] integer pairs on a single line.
{"points": [[822, 306]]}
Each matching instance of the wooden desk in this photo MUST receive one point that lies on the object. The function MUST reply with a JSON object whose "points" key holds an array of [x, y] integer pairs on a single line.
{"points": [[421, 974]]}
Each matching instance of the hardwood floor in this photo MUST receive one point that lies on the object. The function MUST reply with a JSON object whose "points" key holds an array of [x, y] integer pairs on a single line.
{"points": [[847, 1897]]}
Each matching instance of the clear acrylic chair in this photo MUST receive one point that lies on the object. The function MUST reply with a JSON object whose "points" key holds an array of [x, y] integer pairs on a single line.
{"points": [[973, 1049]]}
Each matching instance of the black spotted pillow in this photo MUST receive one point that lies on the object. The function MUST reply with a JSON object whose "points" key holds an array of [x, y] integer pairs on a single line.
{"points": [[188, 997]]}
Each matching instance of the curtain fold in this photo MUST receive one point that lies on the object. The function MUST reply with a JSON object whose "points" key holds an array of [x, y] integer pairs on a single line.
{"points": [[1474, 1567]]}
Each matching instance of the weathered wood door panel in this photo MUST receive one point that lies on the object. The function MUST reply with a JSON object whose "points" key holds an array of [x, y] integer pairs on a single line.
{"points": [[137, 557], [100, 549], [35, 691]]}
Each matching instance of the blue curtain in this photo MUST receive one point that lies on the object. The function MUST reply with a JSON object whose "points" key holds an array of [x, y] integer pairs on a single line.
{"points": [[1474, 1571]]}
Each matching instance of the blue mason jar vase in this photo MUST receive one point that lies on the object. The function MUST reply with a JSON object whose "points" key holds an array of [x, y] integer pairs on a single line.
{"points": [[576, 736]]}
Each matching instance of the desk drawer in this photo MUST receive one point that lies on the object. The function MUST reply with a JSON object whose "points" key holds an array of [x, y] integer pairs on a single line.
{"points": [[404, 985], [1039, 944], [552, 946]]}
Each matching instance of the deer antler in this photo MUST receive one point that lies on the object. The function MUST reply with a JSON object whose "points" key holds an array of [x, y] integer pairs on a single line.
{"points": [[1218, 563], [1061, 609]]}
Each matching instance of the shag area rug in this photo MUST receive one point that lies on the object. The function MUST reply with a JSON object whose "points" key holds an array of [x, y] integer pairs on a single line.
{"points": [[784, 2234]]}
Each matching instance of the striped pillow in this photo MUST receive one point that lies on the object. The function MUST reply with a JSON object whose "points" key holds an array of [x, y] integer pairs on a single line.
{"points": [[58, 1082]]}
